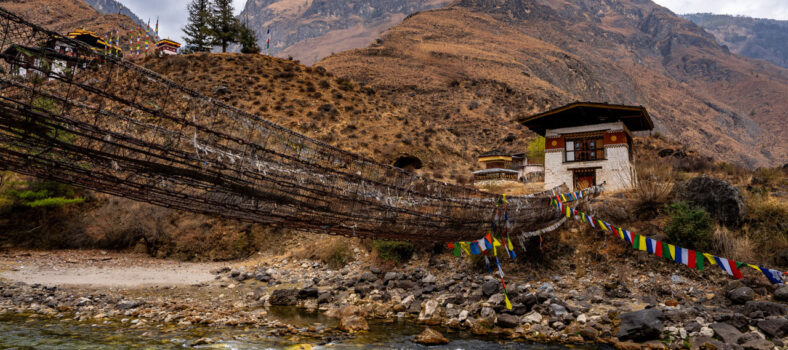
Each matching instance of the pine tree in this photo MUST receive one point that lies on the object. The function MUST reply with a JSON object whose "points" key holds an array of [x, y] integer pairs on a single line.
{"points": [[224, 26], [247, 39], [198, 30]]}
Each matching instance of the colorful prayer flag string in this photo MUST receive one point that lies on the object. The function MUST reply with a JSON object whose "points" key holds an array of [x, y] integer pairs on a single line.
{"points": [[689, 257]]}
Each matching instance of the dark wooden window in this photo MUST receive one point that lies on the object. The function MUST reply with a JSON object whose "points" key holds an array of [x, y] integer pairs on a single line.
{"points": [[584, 149]]}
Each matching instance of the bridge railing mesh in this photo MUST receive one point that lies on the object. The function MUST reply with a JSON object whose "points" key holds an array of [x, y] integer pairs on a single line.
{"points": [[69, 113]]}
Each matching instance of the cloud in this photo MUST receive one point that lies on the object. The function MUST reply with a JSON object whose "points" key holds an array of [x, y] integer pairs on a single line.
{"points": [[774, 9]]}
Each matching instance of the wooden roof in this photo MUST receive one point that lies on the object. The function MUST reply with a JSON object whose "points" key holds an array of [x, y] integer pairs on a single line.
{"points": [[636, 118], [168, 42]]}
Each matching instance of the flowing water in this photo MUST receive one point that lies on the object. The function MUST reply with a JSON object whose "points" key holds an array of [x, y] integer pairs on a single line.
{"points": [[30, 332]]}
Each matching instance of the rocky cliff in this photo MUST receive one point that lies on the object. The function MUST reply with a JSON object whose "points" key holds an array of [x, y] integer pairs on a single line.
{"points": [[309, 30], [766, 39], [477, 65], [112, 7]]}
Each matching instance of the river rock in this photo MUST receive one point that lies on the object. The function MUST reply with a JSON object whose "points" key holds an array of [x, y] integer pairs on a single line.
{"points": [[774, 327], [430, 337], [428, 310], [284, 297], [490, 287], [741, 295], [758, 344], [430, 278], [128, 304], [391, 275], [718, 197], [726, 332], [508, 321], [640, 325], [463, 315], [781, 293], [368, 277], [406, 284], [353, 323], [766, 307], [533, 318]]}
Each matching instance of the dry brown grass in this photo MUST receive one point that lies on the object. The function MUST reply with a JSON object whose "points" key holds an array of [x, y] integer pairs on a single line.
{"points": [[655, 182], [727, 244], [331, 250]]}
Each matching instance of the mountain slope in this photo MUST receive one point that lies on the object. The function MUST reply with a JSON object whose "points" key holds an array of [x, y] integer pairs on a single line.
{"points": [[111, 7], [63, 16], [479, 64], [309, 30], [766, 39]]}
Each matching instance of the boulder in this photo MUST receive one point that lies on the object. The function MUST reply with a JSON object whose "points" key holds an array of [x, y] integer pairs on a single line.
{"points": [[640, 325], [308, 293], [508, 321], [774, 327], [284, 297], [430, 337], [758, 344], [428, 310], [741, 295], [490, 287], [718, 197], [781, 293], [353, 323], [726, 332], [766, 307]]}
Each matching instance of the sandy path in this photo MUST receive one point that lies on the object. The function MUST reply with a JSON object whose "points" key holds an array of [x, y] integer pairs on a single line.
{"points": [[101, 269]]}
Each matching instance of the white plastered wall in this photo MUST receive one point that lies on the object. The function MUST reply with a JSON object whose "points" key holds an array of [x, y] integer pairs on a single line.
{"points": [[615, 171]]}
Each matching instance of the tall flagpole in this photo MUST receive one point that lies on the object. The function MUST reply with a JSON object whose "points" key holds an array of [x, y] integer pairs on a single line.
{"points": [[268, 42]]}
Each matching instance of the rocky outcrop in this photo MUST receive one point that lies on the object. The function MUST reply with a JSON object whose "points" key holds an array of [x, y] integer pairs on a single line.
{"points": [[311, 30], [752, 37]]}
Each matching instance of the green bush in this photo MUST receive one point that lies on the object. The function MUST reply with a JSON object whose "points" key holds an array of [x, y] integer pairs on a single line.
{"points": [[39, 193], [338, 256], [394, 251], [689, 227]]}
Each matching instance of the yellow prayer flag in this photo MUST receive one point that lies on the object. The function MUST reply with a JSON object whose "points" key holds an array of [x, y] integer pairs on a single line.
{"points": [[508, 303], [620, 233], [642, 243], [710, 258], [509, 244], [672, 250], [466, 247]]}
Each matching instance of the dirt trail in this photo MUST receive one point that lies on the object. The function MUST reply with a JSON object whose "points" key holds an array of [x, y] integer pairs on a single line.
{"points": [[100, 269]]}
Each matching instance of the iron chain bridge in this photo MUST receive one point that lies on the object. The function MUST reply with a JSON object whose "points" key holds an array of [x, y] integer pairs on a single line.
{"points": [[80, 117]]}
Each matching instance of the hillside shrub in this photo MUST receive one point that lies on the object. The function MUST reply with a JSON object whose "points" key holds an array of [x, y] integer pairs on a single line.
{"points": [[689, 227], [394, 251], [337, 255]]}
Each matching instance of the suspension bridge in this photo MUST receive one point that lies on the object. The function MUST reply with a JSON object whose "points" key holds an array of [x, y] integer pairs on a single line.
{"points": [[73, 115]]}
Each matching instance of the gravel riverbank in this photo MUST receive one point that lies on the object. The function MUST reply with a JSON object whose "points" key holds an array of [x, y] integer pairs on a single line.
{"points": [[656, 308]]}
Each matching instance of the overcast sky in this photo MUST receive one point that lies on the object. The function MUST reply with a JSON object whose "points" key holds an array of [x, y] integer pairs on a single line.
{"points": [[172, 13]]}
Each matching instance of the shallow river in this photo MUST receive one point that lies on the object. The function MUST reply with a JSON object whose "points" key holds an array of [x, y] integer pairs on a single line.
{"points": [[23, 332]]}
